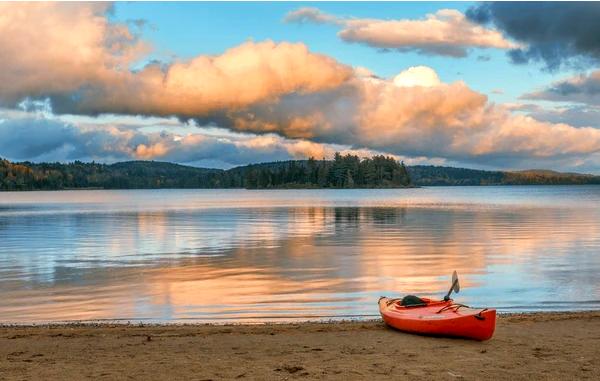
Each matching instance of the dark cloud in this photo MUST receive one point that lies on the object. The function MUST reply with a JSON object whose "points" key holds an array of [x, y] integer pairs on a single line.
{"points": [[325, 117], [307, 15], [52, 140], [578, 116], [42, 139], [583, 88], [26, 136], [554, 33], [525, 107]]}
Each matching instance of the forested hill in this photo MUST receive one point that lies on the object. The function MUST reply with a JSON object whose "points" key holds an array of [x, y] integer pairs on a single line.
{"points": [[342, 172], [424, 175]]}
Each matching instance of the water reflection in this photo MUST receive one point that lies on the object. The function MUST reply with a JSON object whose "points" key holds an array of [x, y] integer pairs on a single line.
{"points": [[290, 261]]}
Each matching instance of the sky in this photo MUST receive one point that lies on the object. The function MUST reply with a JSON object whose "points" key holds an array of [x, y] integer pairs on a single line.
{"points": [[479, 85]]}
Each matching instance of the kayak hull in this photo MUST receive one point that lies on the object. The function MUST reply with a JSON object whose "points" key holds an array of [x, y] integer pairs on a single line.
{"points": [[439, 318]]}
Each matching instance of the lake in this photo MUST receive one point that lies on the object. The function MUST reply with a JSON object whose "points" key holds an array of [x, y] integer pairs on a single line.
{"points": [[281, 255]]}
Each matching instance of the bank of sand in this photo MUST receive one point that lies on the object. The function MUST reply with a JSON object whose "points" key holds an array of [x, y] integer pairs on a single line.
{"points": [[548, 346]]}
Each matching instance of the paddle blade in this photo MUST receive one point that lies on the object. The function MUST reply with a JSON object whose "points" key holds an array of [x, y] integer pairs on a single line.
{"points": [[455, 284]]}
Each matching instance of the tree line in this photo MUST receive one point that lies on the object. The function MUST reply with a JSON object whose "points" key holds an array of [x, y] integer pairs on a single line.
{"points": [[344, 171]]}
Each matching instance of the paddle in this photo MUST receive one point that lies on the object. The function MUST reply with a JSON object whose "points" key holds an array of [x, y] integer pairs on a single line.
{"points": [[455, 286]]}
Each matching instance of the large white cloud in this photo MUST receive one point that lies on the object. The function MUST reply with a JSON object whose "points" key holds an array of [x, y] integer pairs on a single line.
{"points": [[417, 76]]}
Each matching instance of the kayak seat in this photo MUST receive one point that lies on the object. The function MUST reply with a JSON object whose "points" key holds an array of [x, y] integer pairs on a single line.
{"points": [[412, 301]]}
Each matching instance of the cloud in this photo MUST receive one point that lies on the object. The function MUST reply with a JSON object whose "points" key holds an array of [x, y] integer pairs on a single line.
{"points": [[307, 15], [73, 55], [447, 32], [578, 116], [583, 88], [437, 120], [38, 136], [279, 99], [48, 48], [580, 101], [42, 139], [243, 75], [417, 76], [525, 107], [554, 33]]}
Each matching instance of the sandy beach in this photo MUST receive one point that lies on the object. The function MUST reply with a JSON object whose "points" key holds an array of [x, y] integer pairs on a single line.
{"points": [[545, 346]]}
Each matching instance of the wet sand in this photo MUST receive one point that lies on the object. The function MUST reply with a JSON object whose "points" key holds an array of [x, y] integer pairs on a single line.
{"points": [[546, 346]]}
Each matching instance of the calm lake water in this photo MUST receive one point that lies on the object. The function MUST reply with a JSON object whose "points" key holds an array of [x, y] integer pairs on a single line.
{"points": [[241, 255]]}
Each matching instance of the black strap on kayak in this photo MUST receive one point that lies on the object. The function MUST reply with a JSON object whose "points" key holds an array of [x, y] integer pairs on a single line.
{"points": [[457, 306], [479, 316], [453, 306]]}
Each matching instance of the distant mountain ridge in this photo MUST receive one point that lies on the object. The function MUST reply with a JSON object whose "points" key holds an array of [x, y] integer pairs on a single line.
{"points": [[424, 175], [347, 172]]}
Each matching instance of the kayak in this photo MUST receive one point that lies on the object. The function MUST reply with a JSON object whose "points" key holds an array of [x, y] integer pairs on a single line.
{"points": [[439, 318]]}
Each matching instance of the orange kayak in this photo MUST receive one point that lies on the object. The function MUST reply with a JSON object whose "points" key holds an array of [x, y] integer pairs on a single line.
{"points": [[439, 318]]}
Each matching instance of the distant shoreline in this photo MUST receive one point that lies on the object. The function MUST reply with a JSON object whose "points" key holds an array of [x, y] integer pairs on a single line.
{"points": [[345, 172], [299, 188]]}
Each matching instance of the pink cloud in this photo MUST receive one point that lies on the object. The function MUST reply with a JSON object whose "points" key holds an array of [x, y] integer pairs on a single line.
{"points": [[241, 76], [446, 32], [58, 49], [48, 48], [443, 120]]}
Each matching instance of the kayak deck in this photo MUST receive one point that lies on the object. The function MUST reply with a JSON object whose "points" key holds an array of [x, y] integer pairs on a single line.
{"points": [[439, 318]]}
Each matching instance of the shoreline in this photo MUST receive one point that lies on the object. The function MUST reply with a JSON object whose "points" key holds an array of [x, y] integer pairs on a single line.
{"points": [[541, 345], [150, 323], [249, 189], [301, 188]]}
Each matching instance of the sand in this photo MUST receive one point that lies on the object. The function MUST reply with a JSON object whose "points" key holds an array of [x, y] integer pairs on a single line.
{"points": [[548, 346]]}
